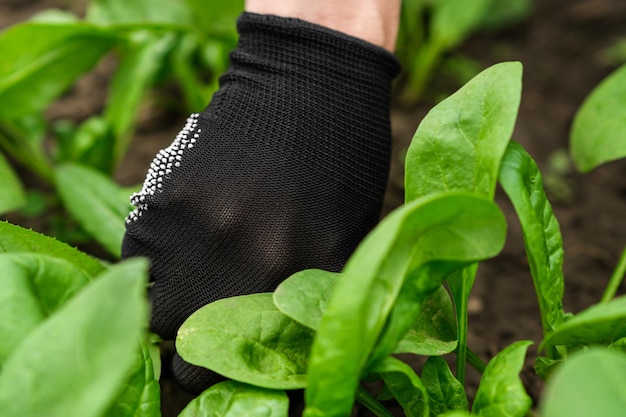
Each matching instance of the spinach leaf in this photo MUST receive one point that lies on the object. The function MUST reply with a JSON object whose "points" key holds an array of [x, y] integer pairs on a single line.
{"points": [[522, 182], [234, 399], [41, 60], [405, 385], [459, 146], [141, 60], [461, 141], [501, 392], [32, 286], [93, 200], [17, 239], [249, 340], [597, 134], [304, 295], [12, 195], [434, 332], [120, 12], [72, 364], [446, 393], [600, 323], [141, 395], [589, 383], [447, 227]]}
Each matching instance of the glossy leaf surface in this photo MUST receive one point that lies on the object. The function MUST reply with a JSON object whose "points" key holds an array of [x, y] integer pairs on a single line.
{"points": [[17, 239], [522, 182], [32, 286], [95, 336], [501, 392], [249, 340], [234, 399]]}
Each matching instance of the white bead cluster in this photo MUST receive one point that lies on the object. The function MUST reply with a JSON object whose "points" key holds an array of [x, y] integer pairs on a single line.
{"points": [[162, 165]]}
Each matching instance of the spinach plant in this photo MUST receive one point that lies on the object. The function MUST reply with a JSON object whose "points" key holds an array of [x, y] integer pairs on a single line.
{"points": [[186, 41], [74, 342]]}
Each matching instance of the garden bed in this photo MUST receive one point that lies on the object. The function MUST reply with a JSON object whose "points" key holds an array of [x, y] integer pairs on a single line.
{"points": [[563, 49]]}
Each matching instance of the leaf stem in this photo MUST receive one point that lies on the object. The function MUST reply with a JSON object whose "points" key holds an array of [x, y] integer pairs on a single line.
{"points": [[371, 403], [474, 360], [616, 279]]}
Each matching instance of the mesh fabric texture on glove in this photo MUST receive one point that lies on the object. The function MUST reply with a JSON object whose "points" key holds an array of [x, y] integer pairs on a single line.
{"points": [[285, 170]]}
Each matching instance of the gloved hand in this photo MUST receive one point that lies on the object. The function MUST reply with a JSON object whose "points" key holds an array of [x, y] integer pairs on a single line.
{"points": [[284, 170]]}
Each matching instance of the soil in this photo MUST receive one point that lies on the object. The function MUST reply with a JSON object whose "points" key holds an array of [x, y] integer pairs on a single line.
{"points": [[562, 47]]}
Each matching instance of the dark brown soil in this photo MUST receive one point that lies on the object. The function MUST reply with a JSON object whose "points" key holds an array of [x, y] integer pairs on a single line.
{"points": [[561, 46]]}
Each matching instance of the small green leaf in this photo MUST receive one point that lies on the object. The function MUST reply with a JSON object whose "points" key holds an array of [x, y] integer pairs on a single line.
{"points": [[140, 63], [434, 333], [234, 399], [522, 182], [405, 385], [589, 383], [304, 295], [216, 18], [141, 396], [501, 393], [461, 141], [32, 286], [93, 200], [17, 239], [120, 12], [454, 20], [72, 365], [597, 134], [600, 323], [249, 340], [41, 60], [12, 193], [448, 227], [445, 391], [91, 144]]}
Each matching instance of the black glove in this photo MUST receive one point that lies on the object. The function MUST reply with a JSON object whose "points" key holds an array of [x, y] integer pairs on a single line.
{"points": [[284, 170]]}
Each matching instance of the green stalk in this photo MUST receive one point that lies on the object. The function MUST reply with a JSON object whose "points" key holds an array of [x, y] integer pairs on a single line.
{"points": [[371, 403], [474, 360], [462, 317], [616, 279]]}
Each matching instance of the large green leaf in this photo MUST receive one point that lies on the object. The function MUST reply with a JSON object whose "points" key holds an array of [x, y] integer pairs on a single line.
{"points": [[73, 364], [41, 60], [141, 396], [600, 323], [446, 393], [32, 286], [234, 399], [589, 383], [12, 193], [598, 134], [17, 239], [522, 182], [444, 228], [247, 339], [501, 393], [94, 201]]}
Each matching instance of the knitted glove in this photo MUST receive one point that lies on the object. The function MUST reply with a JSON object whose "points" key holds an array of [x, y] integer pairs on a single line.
{"points": [[284, 170]]}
